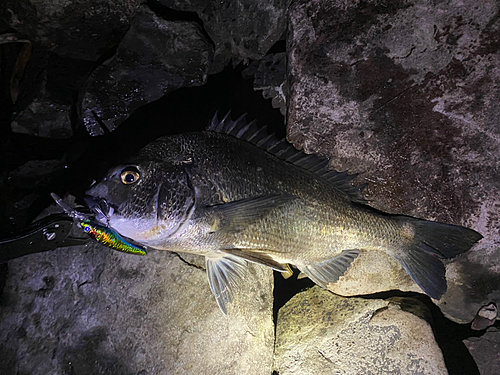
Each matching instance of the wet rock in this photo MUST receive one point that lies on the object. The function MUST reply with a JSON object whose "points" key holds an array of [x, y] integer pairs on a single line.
{"points": [[77, 29], [47, 95], [485, 351], [321, 333], [35, 173], [270, 77], [44, 118], [91, 310], [405, 94], [154, 58], [240, 30]]}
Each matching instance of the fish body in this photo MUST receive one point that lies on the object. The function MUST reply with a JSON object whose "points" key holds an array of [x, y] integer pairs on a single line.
{"points": [[235, 194]]}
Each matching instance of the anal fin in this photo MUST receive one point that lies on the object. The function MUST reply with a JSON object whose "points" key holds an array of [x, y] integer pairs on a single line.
{"points": [[224, 274], [329, 271]]}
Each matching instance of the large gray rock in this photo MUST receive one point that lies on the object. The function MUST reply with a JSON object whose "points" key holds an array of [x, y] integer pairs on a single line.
{"points": [[72, 28], [46, 91], [406, 94], [321, 333], [90, 310], [486, 351], [241, 30], [155, 57]]}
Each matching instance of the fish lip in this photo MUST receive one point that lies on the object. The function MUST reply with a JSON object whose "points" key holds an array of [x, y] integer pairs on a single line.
{"points": [[100, 207]]}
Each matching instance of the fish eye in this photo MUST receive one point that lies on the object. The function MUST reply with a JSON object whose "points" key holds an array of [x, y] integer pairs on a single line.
{"points": [[130, 175]]}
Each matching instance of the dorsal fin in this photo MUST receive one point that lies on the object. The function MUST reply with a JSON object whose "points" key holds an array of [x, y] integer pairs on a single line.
{"points": [[259, 137]]}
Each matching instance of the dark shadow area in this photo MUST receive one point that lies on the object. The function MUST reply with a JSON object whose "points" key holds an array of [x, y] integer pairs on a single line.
{"points": [[170, 14], [278, 47], [284, 290]]}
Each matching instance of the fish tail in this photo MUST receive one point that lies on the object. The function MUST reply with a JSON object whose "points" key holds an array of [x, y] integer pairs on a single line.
{"points": [[429, 242]]}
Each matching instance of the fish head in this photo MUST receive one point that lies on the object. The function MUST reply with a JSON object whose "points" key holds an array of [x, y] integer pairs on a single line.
{"points": [[145, 201]]}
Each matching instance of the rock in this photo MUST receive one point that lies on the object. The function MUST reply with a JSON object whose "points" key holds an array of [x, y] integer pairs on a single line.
{"points": [[44, 118], [405, 95], [47, 95], [485, 317], [485, 351], [91, 310], [35, 173], [77, 29], [241, 30], [270, 77], [154, 58], [321, 333]]}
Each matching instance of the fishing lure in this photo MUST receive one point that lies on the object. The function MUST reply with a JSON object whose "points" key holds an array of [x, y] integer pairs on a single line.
{"points": [[110, 238], [98, 232]]}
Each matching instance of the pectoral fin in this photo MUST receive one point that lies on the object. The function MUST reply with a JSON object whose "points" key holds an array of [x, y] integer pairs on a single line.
{"points": [[235, 216], [224, 273], [329, 271]]}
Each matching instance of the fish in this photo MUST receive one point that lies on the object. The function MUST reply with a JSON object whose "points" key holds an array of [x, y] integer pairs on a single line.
{"points": [[236, 194], [98, 232]]}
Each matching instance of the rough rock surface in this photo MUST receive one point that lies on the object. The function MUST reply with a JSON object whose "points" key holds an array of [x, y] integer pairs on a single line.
{"points": [[486, 351], [322, 333], [90, 310], [270, 77], [406, 94], [155, 57], [47, 93], [82, 29], [240, 30], [44, 118]]}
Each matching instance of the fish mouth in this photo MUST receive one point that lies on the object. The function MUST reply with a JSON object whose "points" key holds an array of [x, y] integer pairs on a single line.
{"points": [[100, 207]]}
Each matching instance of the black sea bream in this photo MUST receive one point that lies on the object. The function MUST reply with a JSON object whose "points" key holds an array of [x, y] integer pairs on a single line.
{"points": [[236, 194]]}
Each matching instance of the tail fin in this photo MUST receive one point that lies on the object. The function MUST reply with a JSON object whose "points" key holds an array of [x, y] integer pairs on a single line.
{"points": [[433, 242]]}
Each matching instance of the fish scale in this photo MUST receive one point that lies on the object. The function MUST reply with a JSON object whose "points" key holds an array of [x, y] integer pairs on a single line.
{"points": [[236, 194]]}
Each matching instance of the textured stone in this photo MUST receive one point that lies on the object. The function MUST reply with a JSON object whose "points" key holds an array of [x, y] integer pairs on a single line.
{"points": [[405, 93], [82, 29], [240, 30], [91, 310], [486, 351], [485, 317], [44, 118], [321, 333], [155, 57], [47, 91], [270, 77]]}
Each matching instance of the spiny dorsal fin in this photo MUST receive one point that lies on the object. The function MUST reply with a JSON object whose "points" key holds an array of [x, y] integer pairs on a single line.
{"points": [[280, 148]]}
